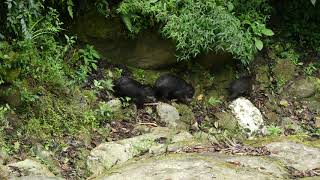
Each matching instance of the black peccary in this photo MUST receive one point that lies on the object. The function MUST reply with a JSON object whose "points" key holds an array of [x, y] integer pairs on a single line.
{"points": [[240, 87], [169, 87], [139, 93]]}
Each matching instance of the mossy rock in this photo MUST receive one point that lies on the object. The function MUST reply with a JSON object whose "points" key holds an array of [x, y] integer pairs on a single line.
{"points": [[283, 71], [221, 82], [227, 121], [302, 88], [262, 76], [186, 114], [11, 95]]}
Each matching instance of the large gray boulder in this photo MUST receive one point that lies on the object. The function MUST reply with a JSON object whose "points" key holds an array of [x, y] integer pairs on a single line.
{"points": [[208, 165], [109, 154], [193, 166]]}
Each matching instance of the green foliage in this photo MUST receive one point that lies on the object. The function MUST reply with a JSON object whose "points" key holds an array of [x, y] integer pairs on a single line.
{"points": [[103, 7], [3, 122], [103, 84], [87, 62], [104, 110], [274, 130], [199, 26], [54, 117], [20, 15], [125, 101], [310, 69], [140, 74], [40, 74], [214, 101]]}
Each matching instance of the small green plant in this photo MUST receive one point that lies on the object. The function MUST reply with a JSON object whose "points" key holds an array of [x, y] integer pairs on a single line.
{"points": [[103, 84], [273, 130], [3, 120], [291, 55], [310, 69], [140, 73], [104, 110], [88, 59], [259, 30], [214, 101], [125, 101], [118, 72], [3, 111]]}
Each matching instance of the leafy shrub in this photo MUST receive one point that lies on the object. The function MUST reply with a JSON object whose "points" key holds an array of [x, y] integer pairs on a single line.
{"points": [[199, 26]]}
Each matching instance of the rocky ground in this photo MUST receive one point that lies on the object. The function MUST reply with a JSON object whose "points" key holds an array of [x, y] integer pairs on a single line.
{"points": [[166, 154], [271, 134]]}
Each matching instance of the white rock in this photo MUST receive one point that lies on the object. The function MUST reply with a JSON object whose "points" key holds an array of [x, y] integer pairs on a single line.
{"points": [[248, 116]]}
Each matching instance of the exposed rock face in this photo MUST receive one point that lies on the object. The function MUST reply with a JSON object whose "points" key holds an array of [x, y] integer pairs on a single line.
{"points": [[26, 170], [248, 116], [189, 167], [221, 166], [148, 50], [296, 155], [109, 154]]}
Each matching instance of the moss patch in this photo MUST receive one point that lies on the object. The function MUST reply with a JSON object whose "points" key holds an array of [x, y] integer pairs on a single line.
{"points": [[299, 138], [283, 71]]}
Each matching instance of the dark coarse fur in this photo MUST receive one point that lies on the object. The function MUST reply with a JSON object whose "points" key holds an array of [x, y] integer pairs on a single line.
{"points": [[139, 93], [169, 87], [240, 87]]}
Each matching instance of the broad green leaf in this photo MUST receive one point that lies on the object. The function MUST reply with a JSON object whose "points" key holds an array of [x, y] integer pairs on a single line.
{"points": [[259, 44], [268, 32], [94, 66], [70, 11], [127, 22], [96, 55]]}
